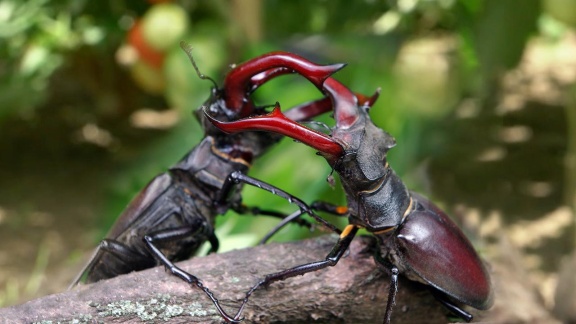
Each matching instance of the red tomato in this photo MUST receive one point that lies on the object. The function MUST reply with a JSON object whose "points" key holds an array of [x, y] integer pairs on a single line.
{"points": [[146, 53]]}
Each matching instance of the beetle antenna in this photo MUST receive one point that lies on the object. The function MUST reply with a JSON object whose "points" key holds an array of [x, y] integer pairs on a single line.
{"points": [[188, 50]]}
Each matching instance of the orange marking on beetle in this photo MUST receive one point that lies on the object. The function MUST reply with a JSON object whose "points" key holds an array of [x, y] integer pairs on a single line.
{"points": [[341, 210], [228, 157], [409, 209], [347, 231], [384, 230]]}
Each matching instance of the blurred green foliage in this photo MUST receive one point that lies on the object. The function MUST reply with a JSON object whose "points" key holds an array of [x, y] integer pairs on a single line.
{"points": [[425, 54]]}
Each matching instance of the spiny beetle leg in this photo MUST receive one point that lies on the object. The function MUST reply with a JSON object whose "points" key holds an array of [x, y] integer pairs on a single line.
{"points": [[243, 210], [290, 218], [392, 290], [324, 206], [440, 297], [174, 235], [331, 260], [239, 177], [295, 217]]}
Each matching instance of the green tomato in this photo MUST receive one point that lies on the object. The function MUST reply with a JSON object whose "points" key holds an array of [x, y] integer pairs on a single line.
{"points": [[164, 25]]}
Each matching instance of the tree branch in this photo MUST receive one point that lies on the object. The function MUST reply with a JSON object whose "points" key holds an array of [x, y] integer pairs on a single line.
{"points": [[354, 291]]}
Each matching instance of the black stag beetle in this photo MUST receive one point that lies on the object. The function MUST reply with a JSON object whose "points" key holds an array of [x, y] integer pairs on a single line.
{"points": [[415, 237], [174, 214]]}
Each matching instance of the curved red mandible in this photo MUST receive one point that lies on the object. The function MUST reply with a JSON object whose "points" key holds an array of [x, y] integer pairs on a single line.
{"points": [[249, 75], [278, 123]]}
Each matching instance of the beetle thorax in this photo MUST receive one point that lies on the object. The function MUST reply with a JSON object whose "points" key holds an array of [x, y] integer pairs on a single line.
{"points": [[377, 198]]}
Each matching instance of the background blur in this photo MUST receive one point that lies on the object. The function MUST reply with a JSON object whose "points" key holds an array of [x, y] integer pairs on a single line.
{"points": [[96, 99]]}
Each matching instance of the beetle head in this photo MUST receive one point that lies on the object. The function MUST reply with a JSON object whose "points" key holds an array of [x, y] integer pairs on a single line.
{"points": [[356, 148], [232, 101], [365, 145]]}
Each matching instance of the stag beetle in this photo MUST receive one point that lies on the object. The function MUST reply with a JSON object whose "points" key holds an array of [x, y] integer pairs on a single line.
{"points": [[415, 237], [174, 214]]}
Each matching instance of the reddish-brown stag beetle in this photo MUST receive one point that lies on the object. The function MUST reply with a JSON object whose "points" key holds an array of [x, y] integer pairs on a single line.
{"points": [[415, 237], [174, 214]]}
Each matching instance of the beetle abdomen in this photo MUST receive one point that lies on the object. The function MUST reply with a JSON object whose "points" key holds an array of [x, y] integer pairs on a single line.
{"points": [[435, 249]]}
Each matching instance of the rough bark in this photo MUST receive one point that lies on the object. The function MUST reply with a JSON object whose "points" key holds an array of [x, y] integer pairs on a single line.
{"points": [[354, 291]]}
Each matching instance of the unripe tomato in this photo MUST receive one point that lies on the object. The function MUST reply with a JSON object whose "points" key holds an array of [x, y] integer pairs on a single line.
{"points": [[164, 25]]}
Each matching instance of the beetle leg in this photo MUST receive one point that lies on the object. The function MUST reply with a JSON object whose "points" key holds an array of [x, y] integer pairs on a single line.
{"points": [[243, 210], [295, 216], [214, 243], [451, 306], [330, 208], [173, 235], [317, 206], [392, 290], [331, 260], [239, 177]]}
